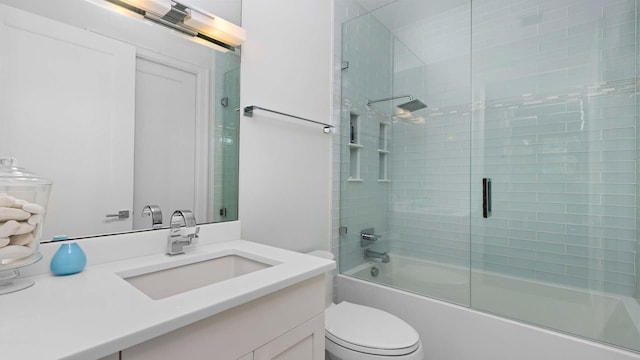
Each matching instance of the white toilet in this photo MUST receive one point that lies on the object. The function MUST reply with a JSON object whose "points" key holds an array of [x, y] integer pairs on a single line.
{"points": [[356, 332]]}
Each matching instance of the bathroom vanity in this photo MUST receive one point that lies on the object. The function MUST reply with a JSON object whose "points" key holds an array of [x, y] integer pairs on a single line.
{"points": [[262, 303], [288, 324]]}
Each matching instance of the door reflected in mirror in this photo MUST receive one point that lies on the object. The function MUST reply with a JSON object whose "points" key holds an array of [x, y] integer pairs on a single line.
{"points": [[121, 116]]}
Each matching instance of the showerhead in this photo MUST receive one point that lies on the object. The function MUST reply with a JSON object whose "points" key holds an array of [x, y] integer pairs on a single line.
{"points": [[413, 105]]}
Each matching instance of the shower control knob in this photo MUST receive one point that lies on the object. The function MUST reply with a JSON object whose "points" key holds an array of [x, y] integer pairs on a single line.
{"points": [[368, 236]]}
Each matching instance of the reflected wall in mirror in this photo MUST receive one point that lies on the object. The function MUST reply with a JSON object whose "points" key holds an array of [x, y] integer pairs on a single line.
{"points": [[119, 113]]}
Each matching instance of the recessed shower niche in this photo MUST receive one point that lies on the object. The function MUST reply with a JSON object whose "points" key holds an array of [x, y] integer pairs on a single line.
{"points": [[383, 152], [355, 148]]}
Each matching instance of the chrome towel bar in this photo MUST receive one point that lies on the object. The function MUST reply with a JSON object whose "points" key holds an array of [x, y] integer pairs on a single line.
{"points": [[248, 111]]}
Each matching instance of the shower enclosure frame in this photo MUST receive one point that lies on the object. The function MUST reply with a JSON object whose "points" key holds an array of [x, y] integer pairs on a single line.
{"points": [[480, 105]]}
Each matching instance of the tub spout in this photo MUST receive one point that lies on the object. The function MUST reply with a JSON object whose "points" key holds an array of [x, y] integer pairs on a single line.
{"points": [[383, 256]]}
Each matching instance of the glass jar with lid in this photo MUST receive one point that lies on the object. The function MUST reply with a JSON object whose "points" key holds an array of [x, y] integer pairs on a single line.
{"points": [[24, 197]]}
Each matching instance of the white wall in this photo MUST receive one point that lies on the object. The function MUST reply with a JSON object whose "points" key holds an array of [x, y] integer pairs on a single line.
{"points": [[285, 165]]}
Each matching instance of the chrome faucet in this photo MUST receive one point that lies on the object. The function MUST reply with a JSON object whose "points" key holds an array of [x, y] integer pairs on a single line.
{"points": [[182, 232], [156, 215], [368, 237], [383, 256]]}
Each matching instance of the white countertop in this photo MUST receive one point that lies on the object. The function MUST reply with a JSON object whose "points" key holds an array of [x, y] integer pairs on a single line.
{"points": [[96, 313]]}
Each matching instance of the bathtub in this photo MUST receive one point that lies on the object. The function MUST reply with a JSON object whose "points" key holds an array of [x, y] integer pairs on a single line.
{"points": [[454, 332], [422, 277]]}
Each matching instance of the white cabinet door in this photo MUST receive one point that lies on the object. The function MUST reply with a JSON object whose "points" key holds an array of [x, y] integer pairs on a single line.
{"points": [[67, 113], [305, 342]]}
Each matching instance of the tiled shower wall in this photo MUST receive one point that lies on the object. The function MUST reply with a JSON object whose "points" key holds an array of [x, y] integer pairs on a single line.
{"points": [[430, 153], [555, 83], [553, 124]]}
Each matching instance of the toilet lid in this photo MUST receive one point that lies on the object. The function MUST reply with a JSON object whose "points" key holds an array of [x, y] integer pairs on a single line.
{"points": [[369, 330]]}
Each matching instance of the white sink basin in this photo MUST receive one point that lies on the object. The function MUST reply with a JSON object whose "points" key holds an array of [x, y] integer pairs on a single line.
{"points": [[163, 283]]}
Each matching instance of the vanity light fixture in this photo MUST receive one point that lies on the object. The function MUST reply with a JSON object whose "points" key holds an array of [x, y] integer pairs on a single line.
{"points": [[194, 22], [215, 28]]}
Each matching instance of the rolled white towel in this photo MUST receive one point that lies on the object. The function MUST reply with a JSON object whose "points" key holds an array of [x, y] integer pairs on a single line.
{"points": [[19, 203], [22, 239], [35, 219], [9, 228], [7, 200], [13, 252], [33, 208], [7, 213], [25, 227]]}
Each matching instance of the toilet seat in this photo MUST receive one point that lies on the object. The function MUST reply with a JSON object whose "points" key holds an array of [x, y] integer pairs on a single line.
{"points": [[369, 330]]}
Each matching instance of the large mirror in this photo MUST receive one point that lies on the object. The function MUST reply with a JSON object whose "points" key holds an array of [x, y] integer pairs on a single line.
{"points": [[120, 113]]}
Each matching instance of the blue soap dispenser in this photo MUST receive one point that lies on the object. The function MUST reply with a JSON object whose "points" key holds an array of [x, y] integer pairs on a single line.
{"points": [[69, 259]]}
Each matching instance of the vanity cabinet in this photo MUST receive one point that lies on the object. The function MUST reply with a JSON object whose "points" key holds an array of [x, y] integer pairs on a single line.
{"points": [[304, 342], [115, 356], [287, 324]]}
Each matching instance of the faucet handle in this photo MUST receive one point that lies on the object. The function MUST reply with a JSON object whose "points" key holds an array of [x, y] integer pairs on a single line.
{"points": [[368, 236], [190, 232], [195, 234]]}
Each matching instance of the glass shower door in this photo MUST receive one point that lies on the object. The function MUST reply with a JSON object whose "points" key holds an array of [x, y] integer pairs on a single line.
{"points": [[225, 134], [554, 128], [230, 145], [364, 186], [405, 173]]}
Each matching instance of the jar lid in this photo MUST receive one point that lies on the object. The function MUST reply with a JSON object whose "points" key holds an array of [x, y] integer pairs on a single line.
{"points": [[10, 172]]}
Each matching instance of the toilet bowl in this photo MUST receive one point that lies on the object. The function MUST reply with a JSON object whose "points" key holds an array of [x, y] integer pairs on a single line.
{"points": [[357, 332]]}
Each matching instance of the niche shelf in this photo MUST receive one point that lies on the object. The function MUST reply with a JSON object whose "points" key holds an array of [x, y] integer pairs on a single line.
{"points": [[383, 152], [355, 148], [383, 136]]}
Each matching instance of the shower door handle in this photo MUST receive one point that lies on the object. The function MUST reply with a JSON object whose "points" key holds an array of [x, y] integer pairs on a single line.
{"points": [[486, 197]]}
